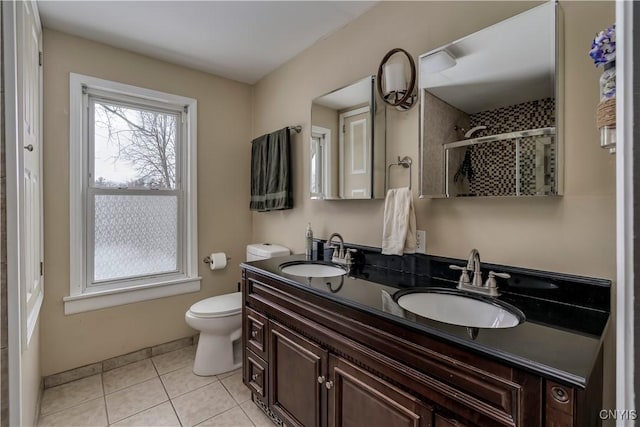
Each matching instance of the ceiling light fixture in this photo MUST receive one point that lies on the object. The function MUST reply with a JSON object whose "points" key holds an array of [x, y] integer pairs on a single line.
{"points": [[436, 62]]}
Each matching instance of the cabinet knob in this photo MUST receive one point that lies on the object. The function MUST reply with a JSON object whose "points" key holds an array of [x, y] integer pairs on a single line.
{"points": [[254, 377], [321, 379], [328, 385], [560, 394], [29, 147], [254, 333]]}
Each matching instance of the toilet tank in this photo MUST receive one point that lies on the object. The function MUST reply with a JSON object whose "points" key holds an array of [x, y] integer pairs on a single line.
{"points": [[258, 251]]}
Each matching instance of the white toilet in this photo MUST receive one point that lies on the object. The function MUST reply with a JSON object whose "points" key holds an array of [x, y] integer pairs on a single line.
{"points": [[219, 320]]}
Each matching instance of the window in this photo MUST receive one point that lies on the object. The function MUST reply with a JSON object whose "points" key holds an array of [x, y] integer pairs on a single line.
{"points": [[133, 207]]}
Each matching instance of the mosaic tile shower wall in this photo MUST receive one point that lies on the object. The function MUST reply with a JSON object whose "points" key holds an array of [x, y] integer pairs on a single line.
{"points": [[494, 163]]}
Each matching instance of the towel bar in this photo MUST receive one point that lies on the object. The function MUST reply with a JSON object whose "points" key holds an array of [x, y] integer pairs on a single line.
{"points": [[296, 129], [405, 162]]}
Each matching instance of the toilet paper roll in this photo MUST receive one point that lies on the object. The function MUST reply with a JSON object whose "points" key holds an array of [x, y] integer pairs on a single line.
{"points": [[217, 260]]}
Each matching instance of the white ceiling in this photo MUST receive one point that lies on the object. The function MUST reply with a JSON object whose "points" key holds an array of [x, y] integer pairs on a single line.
{"points": [[240, 40]]}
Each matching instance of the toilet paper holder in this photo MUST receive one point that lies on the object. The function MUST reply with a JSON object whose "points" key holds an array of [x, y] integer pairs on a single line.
{"points": [[207, 260]]}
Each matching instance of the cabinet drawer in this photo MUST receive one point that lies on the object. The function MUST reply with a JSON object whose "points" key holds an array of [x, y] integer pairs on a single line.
{"points": [[255, 375], [255, 332]]}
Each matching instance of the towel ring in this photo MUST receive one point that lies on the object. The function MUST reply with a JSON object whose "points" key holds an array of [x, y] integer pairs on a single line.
{"points": [[405, 162]]}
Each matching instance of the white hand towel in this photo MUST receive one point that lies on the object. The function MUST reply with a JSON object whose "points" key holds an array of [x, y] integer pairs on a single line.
{"points": [[399, 228]]}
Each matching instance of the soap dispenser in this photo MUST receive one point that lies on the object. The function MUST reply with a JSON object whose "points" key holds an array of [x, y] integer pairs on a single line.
{"points": [[308, 242]]}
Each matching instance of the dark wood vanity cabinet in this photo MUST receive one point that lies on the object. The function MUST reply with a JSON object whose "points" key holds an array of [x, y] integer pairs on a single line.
{"points": [[315, 363]]}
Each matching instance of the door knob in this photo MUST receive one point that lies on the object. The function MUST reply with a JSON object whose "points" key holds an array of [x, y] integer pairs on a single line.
{"points": [[29, 147], [328, 385]]}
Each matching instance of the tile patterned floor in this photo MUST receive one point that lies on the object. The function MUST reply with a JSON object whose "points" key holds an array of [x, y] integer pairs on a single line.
{"points": [[161, 391]]}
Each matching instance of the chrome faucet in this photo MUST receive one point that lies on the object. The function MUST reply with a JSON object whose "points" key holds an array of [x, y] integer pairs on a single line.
{"points": [[473, 264], [340, 256], [331, 245]]}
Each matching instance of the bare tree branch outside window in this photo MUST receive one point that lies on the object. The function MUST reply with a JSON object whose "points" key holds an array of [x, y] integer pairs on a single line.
{"points": [[145, 141]]}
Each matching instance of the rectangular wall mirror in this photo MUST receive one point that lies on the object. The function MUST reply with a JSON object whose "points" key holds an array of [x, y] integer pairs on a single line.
{"points": [[488, 111], [348, 143]]}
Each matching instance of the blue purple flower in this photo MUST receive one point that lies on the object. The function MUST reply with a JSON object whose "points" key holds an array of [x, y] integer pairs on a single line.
{"points": [[603, 48]]}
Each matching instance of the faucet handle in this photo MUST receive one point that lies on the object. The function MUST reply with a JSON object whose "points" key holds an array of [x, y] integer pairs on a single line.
{"points": [[491, 280], [464, 277], [336, 251], [503, 275]]}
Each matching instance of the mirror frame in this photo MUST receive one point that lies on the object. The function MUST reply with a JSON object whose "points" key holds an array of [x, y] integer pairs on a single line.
{"points": [[377, 157], [559, 124]]}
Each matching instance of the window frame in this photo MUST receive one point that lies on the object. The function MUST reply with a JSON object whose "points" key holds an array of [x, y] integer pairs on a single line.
{"points": [[84, 295]]}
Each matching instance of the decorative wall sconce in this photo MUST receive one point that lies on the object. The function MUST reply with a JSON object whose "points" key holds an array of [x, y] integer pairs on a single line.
{"points": [[393, 86]]}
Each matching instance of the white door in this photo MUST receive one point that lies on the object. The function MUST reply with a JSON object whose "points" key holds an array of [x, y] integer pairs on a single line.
{"points": [[29, 89], [355, 142]]}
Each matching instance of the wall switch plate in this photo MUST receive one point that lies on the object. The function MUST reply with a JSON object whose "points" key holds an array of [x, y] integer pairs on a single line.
{"points": [[421, 242]]}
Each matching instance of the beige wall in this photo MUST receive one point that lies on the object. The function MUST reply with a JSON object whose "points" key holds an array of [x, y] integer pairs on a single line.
{"points": [[224, 117], [572, 234]]}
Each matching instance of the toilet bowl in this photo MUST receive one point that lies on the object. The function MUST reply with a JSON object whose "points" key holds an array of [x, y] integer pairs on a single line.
{"points": [[220, 324], [219, 320]]}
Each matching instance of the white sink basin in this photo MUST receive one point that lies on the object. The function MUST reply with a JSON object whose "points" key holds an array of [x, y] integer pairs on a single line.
{"points": [[311, 269], [460, 309]]}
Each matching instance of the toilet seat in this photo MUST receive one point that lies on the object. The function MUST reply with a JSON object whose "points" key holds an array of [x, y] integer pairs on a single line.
{"points": [[218, 306]]}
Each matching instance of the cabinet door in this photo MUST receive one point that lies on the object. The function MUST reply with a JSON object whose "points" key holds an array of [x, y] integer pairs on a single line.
{"points": [[297, 368], [359, 398]]}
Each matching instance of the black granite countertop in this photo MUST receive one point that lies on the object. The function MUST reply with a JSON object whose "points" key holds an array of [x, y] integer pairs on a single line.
{"points": [[566, 316]]}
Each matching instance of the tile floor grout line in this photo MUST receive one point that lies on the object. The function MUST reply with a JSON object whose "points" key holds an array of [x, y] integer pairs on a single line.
{"points": [[176, 413], [126, 388], [132, 385], [138, 413], [155, 368], [198, 388], [173, 408], [231, 394], [224, 412], [72, 406], [247, 414], [41, 415], [104, 399], [173, 370]]}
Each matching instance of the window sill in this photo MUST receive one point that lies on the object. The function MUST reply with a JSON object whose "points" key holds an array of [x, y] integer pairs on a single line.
{"points": [[102, 299]]}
